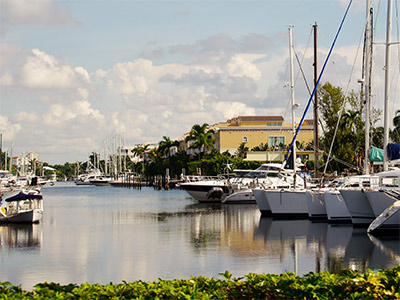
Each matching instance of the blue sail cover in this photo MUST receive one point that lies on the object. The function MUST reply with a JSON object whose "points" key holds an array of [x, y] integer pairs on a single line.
{"points": [[393, 151]]}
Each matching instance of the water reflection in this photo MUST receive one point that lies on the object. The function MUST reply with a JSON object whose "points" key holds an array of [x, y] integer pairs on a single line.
{"points": [[333, 247], [21, 236], [103, 234]]}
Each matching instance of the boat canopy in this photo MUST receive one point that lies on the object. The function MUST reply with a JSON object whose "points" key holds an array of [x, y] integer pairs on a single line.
{"points": [[23, 196], [376, 154]]}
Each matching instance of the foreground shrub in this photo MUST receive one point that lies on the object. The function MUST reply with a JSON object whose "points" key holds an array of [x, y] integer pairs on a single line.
{"points": [[346, 284]]}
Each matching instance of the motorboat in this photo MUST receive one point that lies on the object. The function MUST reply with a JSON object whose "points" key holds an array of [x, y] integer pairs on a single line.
{"points": [[84, 179], [101, 181], [206, 188], [217, 188], [21, 206]]}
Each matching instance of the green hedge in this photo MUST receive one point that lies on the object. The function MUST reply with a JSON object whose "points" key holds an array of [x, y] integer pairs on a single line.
{"points": [[346, 284]]}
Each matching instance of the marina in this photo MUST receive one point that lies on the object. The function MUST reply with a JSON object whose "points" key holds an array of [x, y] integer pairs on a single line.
{"points": [[102, 234]]}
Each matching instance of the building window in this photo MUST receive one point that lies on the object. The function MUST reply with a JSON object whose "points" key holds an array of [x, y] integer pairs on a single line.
{"points": [[269, 124], [244, 139], [274, 141]]}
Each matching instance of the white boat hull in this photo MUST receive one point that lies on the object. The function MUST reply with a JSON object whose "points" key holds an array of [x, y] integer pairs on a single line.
{"points": [[379, 201], [240, 197], [27, 216], [316, 205], [262, 202], [287, 203], [336, 208], [358, 206], [387, 221]]}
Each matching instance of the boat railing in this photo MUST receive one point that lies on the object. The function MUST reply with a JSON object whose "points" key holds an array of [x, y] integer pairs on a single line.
{"points": [[194, 178]]}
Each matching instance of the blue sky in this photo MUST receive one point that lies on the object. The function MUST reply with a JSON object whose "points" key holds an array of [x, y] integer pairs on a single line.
{"points": [[76, 73]]}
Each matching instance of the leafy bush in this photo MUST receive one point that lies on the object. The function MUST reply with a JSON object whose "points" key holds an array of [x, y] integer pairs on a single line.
{"points": [[346, 284]]}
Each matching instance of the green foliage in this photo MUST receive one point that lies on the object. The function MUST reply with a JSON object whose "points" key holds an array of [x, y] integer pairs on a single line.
{"points": [[242, 150], [349, 142], [346, 284], [201, 138]]}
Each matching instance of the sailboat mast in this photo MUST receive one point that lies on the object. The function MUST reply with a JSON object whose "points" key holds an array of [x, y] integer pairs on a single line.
{"points": [[292, 93], [387, 72], [367, 86], [316, 134]]}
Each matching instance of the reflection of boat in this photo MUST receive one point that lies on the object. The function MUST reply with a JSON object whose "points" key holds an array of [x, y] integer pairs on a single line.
{"points": [[21, 235], [21, 206]]}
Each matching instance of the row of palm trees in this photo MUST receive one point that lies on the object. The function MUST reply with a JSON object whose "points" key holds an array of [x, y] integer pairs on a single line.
{"points": [[200, 138]]}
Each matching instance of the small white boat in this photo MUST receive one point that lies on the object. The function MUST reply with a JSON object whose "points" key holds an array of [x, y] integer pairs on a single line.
{"points": [[21, 206], [101, 181]]}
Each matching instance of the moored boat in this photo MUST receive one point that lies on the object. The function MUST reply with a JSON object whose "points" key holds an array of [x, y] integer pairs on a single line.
{"points": [[21, 206]]}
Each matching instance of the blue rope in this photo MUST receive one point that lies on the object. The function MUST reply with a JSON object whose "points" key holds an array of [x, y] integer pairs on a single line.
{"points": [[316, 85]]}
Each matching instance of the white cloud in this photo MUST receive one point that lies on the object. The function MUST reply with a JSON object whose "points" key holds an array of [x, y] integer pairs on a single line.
{"points": [[43, 70], [229, 110], [37, 12], [8, 129], [72, 111]]}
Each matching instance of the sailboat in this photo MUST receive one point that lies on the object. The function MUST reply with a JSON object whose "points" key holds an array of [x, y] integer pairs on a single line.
{"points": [[290, 201]]}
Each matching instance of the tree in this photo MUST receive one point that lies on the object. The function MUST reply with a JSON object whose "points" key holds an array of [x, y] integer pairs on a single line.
{"points": [[139, 151], [348, 144], [202, 138], [261, 147], [242, 150], [165, 145]]}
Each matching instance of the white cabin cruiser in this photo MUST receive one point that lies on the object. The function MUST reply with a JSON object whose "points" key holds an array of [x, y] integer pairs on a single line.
{"points": [[21, 206]]}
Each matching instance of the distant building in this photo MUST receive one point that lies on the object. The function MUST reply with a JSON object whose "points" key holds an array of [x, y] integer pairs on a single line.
{"points": [[254, 131]]}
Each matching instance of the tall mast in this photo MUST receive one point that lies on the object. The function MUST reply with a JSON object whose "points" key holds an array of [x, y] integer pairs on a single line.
{"points": [[387, 72], [316, 134], [367, 86], [292, 93]]}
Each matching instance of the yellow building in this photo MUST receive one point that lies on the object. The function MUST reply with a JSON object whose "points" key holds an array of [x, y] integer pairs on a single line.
{"points": [[257, 130]]}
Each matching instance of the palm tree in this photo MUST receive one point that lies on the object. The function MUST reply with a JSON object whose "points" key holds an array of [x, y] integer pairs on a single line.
{"points": [[202, 138], [139, 151], [242, 150], [165, 145]]}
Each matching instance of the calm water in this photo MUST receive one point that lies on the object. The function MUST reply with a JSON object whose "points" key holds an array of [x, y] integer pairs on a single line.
{"points": [[107, 234]]}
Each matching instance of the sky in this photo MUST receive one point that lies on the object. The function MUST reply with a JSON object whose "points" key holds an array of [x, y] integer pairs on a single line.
{"points": [[77, 75]]}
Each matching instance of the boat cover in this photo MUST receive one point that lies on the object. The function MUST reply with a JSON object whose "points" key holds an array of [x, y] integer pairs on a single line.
{"points": [[23, 196], [393, 151], [376, 154]]}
